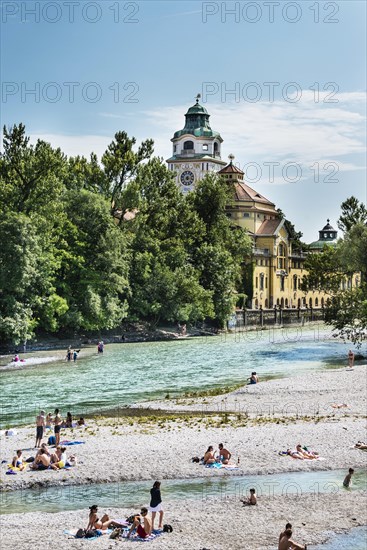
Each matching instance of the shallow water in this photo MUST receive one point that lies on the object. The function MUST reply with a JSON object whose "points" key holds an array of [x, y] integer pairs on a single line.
{"points": [[135, 494], [130, 373], [356, 539]]}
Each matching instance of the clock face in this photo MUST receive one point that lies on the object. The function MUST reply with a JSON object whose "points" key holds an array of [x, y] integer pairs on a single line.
{"points": [[187, 178]]}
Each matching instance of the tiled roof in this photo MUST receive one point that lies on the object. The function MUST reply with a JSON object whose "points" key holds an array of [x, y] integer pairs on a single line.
{"points": [[230, 169], [269, 227], [244, 192]]}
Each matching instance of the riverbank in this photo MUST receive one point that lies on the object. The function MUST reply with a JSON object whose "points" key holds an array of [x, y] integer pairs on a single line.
{"points": [[161, 446], [254, 422]]}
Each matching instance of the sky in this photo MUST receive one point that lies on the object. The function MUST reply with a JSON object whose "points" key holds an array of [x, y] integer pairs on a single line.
{"points": [[284, 83]]}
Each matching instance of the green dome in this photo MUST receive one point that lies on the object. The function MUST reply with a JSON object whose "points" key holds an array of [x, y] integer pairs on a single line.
{"points": [[319, 245], [197, 123]]}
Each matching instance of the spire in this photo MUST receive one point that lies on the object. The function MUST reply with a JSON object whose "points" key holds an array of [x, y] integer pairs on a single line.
{"points": [[197, 98], [231, 159]]}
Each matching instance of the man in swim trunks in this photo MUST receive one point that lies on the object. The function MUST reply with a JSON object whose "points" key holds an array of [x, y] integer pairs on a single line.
{"points": [[282, 534], [144, 530], [57, 424], [40, 424], [286, 543], [17, 461], [224, 455]]}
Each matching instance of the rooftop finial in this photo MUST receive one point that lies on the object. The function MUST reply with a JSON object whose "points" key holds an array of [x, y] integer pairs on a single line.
{"points": [[328, 220], [231, 158], [197, 99]]}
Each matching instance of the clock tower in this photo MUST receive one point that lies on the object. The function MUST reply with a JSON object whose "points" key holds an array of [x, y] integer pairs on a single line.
{"points": [[196, 149]]}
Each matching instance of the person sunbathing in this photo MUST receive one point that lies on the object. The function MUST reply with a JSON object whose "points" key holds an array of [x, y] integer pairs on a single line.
{"points": [[42, 461], [104, 523], [144, 530], [339, 405], [295, 454], [224, 455], [58, 458], [251, 500], [360, 445], [209, 457], [286, 543], [305, 453], [17, 461]]}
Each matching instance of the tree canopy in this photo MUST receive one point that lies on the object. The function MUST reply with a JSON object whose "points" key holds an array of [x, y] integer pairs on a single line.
{"points": [[73, 260]]}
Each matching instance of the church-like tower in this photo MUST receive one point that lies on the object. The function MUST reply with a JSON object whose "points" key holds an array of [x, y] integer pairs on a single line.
{"points": [[196, 149]]}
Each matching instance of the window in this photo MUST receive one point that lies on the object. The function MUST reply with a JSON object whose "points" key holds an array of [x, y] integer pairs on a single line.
{"points": [[325, 235], [188, 145], [246, 215], [216, 147], [281, 256], [205, 147], [294, 282], [266, 282], [316, 302], [262, 281], [174, 148], [282, 283]]}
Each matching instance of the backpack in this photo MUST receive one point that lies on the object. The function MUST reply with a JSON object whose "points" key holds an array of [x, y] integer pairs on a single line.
{"points": [[51, 440], [167, 528], [80, 534]]}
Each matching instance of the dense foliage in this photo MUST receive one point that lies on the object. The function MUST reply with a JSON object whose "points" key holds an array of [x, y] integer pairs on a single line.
{"points": [[331, 270], [86, 245]]}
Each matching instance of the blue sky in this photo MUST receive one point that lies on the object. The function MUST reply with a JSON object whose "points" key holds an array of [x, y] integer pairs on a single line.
{"points": [[100, 67]]}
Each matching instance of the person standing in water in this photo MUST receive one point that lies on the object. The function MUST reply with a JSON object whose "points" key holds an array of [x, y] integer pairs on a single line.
{"points": [[68, 354], [348, 478]]}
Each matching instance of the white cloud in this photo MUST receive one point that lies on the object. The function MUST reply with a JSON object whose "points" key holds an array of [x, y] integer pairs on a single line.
{"points": [[304, 132]]}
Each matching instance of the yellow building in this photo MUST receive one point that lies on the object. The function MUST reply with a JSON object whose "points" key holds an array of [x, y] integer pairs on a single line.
{"points": [[278, 269]]}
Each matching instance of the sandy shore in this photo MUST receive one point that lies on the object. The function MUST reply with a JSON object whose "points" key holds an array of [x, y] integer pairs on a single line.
{"points": [[255, 423]]}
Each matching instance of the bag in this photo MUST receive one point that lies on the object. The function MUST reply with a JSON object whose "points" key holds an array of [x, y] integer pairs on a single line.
{"points": [[80, 534], [195, 459], [116, 533], [167, 528], [30, 459], [51, 440], [92, 533]]}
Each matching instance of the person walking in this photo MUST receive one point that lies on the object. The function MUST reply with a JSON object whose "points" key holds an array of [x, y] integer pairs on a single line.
{"points": [[156, 504], [350, 359], [40, 425]]}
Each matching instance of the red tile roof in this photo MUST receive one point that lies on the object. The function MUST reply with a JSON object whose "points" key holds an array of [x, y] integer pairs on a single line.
{"points": [[269, 227]]}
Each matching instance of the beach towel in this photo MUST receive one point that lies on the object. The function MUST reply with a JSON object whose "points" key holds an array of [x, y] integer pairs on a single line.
{"points": [[136, 538], [219, 466], [68, 443], [73, 534]]}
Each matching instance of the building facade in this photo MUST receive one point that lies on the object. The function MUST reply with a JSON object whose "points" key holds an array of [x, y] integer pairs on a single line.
{"points": [[196, 149], [274, 272]]}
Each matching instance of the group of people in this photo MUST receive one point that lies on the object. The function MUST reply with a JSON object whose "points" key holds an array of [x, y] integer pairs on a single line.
{"points": [[301, 453], [56, 422], [223, 455], [44, 459], [141, 523], [72, 354]]}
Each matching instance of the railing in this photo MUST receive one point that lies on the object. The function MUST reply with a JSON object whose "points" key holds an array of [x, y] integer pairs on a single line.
{"points": [[187, 152]]}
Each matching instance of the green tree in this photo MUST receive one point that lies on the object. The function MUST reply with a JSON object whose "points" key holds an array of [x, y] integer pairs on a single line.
{"points": [[220, 249], [353, 212], [120, 163]]}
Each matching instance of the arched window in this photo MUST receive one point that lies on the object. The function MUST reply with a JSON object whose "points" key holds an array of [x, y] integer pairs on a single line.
{"points": [[286, 302], [294, 282], [316, 302], [256, 303], [277, 301], [299, 302], [310, 302], [322, 302], [216, 147], [188, 145], [262, 280], [282, 252], [282, 303]]}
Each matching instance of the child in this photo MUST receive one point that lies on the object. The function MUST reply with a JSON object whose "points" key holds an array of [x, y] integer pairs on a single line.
{"points": [[348, 478], [17, 461], [252, 500]]}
